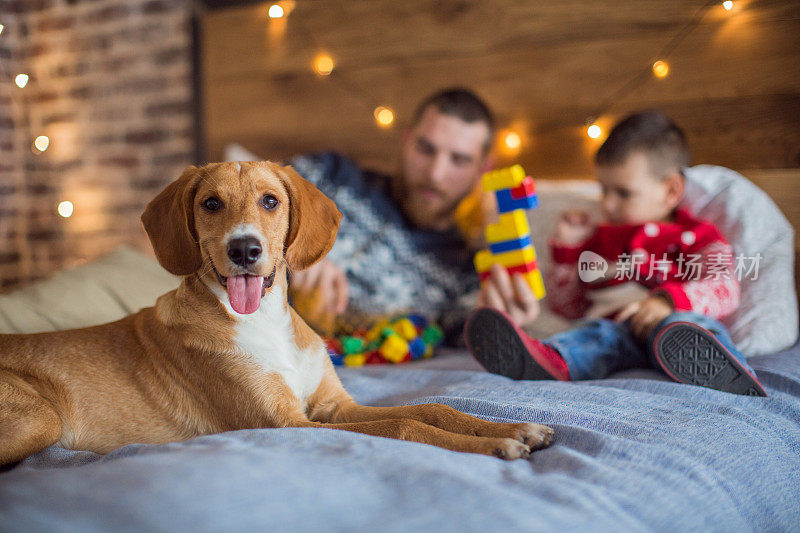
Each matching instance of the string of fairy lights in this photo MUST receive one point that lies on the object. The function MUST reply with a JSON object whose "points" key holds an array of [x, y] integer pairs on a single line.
{"points": [[510, 140]]}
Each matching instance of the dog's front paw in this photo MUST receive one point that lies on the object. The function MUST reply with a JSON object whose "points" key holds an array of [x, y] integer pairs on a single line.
{"points": [[536, 436], [510, 449]]}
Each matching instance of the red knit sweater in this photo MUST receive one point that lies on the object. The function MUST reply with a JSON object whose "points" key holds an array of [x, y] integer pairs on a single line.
{"points": [[687, 259]]}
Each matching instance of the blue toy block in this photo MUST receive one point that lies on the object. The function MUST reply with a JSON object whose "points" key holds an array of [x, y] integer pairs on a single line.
{"points": [[507, 246], [417, 348], [336, 359], [418, 320], [507, 203]]}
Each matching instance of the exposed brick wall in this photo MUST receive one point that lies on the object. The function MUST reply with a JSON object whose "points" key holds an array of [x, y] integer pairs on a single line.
{"points": [[110, 85]]}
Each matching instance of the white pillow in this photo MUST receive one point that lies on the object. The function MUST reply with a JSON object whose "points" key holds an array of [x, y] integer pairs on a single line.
{"points": [[767, 318]]}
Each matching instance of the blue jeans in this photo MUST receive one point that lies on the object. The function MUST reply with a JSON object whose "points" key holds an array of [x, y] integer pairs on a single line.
{"points": [[601, 347]]}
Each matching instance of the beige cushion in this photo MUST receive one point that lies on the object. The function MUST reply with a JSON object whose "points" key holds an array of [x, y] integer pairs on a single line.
{"points": [[99, 292]]}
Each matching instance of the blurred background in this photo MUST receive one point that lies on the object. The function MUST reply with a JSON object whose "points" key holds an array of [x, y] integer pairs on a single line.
{"points": [[103, 102]]}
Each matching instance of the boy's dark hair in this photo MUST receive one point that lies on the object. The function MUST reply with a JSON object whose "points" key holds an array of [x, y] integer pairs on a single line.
{"points": [[651, 132], [461, 103]]}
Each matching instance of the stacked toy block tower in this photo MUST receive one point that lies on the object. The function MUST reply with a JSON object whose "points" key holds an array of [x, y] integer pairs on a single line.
{"points": [[509, 239]]}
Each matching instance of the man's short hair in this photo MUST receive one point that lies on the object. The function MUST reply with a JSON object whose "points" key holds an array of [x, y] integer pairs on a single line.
{"points": [[460, 103], [652, 133]]}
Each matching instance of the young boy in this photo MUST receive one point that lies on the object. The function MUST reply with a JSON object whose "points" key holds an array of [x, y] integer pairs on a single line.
{"points": [[685, 264]]}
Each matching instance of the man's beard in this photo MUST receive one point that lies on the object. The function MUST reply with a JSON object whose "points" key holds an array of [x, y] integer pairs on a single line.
{"points": [[423, 214]]}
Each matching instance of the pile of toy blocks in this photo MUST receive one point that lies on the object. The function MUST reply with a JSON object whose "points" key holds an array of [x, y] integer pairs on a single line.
{"points": [[396, 340], [509, 239]]}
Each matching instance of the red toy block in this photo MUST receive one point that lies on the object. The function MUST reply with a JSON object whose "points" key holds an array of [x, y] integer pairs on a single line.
{"points": [[528, 267], [526, 189]]}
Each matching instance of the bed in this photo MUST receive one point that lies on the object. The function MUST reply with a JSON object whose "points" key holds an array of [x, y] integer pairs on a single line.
{"points": [[635, 452], [632, 453]]}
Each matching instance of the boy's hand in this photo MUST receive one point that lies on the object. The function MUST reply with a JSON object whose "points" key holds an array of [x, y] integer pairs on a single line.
{"points": [[645, 315], [574, 227], [510, 294]]}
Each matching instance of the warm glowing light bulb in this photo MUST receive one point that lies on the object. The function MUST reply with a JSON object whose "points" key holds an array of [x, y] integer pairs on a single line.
{"points": [[65, 209], [275, 11], [41, 142], [21, 80], [384, 116], [1, 29], [594, 131], [323, 65], [660, 69], [728, 5], [512, 140]]}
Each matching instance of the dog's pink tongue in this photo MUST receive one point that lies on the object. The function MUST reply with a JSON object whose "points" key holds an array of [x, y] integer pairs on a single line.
{"points": [[244, 293]]}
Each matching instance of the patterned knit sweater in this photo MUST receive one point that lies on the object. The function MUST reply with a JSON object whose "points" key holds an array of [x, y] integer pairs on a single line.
{"points": [[391, 266]]}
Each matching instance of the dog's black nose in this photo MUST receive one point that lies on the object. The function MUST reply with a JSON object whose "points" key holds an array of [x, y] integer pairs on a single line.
{"points": [[244, 251]]}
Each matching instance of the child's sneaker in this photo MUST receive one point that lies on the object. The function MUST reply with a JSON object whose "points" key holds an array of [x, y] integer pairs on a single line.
{"points": [[691, 354], [503, 348]]}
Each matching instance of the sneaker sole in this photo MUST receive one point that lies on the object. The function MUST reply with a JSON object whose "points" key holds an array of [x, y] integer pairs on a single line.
{"points": [[691, 354], [496, 344]]}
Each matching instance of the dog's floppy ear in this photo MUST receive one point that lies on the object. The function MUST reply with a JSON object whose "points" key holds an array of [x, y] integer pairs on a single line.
{"points": [[169, 223], [313, 221]]}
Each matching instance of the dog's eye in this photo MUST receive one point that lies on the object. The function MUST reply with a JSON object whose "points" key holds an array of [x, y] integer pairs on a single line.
{"points": [[269, 201], [212, 204]]}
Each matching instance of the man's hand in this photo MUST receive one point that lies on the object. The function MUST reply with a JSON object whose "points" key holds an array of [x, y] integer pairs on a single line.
{"points": [[510, 294], [320, 293], [574, 227], [645, 315]]}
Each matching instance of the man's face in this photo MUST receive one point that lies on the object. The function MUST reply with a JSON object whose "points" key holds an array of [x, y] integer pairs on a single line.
{"points": [[632, 194], [443, 158]]}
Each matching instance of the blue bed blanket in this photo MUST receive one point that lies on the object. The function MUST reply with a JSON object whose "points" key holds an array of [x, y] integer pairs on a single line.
{"points": [[630, 454]]}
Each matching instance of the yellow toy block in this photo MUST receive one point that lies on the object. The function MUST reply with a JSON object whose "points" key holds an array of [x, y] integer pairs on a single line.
{"points": [[428, 352], [394, 349], [534, 279], [376, 331], [355, 359], [513, 225], [503, 178], [485, 259], [405, 328]]}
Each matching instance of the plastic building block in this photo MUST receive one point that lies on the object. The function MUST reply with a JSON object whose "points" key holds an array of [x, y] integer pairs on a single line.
{"points": [[522, 269], [333, 345], [507, 246], [536, 283], [483, 261], [417, 348], [515, 257], [433, 335], [336, 359], [418, 320], [513, 225], [524, 190], [352, 345], [532, 275], [355, 359], [405, 328], [503, 178], [375, 358], [506, 203], [394, 349]]}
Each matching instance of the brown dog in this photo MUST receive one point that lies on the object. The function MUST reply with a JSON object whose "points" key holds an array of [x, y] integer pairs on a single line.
{"points": [[223, 351]]}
